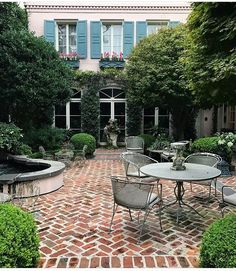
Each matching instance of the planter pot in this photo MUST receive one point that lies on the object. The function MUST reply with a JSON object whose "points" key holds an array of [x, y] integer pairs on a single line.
{"points": [[113, 139], [72, 63]]}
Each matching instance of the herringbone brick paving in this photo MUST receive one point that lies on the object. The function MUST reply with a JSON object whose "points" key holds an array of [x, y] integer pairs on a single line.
{"points": [[73, 223]]}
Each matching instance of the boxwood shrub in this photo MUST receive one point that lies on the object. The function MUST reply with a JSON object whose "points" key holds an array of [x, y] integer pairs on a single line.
{"points": [[19, 242], [206, 144], [218, 248], [81, 139]]}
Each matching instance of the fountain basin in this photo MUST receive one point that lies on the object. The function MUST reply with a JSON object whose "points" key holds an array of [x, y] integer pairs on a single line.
{"points": [[32, 177]]}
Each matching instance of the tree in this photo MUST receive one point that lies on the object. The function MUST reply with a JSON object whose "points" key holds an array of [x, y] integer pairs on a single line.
{"points": [[211, 61], [156, 76], [32, 77]]}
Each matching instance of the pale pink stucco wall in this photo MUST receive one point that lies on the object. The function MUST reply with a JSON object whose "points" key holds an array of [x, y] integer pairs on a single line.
{"points": [[38, 15]]}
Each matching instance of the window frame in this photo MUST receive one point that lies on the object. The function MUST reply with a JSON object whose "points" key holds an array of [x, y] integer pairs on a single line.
{"points": [[66, 23], [121, 23], [155, 22]]}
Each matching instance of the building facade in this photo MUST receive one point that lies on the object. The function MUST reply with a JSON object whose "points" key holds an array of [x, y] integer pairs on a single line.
{"points": [[102, 35]]}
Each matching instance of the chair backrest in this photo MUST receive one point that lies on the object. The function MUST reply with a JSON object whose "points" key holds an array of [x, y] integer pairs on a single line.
{"points": [[203, 158], [131, 194], [134, 161], [134, 142]]}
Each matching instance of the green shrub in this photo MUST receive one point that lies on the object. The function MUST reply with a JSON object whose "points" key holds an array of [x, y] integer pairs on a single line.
{"points": [[24, 149], [19, 242], [218, 248], [148, 140], [206, 144], [48, 137], [81, 139], [36, 155], [10, 138]]}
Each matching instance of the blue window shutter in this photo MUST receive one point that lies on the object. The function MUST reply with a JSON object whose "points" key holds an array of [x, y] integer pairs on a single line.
{"points": [[49, 31], [95, 39], [141, 31], [128, 38], [82, 39], [173, 24]]}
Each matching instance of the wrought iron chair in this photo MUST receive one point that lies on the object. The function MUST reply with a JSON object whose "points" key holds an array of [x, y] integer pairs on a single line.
{"points": [[135, 196], [208, 159], [133, 162], [134, 144], [228, 198]]}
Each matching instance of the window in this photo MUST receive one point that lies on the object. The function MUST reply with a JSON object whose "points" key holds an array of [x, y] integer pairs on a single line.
{"points": [[69, 116], [154, 27], [66, 41], [112, 38]]}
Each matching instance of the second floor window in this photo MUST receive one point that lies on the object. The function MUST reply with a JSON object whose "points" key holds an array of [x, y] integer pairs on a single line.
{"points": [[154, 27], [112, 38], [66, 38]]}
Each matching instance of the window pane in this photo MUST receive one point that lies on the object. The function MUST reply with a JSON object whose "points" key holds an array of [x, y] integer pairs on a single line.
{"points": [[106, 93], [104, 121], [118, 93], [117, 38], [62, 38], [60, 122], [75, 122], [60, 110], [105, 109], [163, 121], [149, 111], [72, 38], [120, 121], [75, 108], [106, 38], [120, 109], [77, 95], [149, 122]]}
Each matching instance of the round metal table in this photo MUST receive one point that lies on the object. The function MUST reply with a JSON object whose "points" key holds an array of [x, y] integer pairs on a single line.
{"points": [[193, 172]]}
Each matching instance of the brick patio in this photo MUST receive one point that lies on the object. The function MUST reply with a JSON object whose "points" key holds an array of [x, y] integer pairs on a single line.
{"points": [[73, 223]]}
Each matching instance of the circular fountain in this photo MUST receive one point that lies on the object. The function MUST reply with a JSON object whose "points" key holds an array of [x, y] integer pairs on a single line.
{"points": [[24, 177]]}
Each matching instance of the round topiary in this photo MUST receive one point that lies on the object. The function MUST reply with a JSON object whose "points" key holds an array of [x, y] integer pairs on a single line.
{"points": [[81, 139], [19, 242], [218, 248]]}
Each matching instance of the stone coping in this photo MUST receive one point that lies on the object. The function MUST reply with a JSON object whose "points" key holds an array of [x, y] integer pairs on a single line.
{"points": [[53, 168]]}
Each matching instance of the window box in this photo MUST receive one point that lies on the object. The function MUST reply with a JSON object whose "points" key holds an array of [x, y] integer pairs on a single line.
{"points": [[111, 64], [72, 63]]}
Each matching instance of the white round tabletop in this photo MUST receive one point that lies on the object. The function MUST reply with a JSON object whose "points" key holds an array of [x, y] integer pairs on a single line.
{"points": [[193, 172]]}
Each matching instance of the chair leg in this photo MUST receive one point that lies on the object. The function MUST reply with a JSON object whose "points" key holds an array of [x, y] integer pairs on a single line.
{"points": [[191, 187], [160, 207], [113, 214], [215, 188], [130, 215], [144, 220], [209, 196]]}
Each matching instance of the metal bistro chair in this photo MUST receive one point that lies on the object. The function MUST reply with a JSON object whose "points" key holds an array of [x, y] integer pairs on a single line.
{"points": [[208, 159], [135, 196], [134, 144], [133, 162], [228, 198]]}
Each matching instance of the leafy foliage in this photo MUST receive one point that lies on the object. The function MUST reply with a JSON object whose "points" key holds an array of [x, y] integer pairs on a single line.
{"points": [[90, 111], [19, 242], [10, 137], [206, 144], [134, 117], [218, 248], [81, 139], [12, 17], [211, 61], [148, 140], [32, 75], [48, 137], [156, 75]]}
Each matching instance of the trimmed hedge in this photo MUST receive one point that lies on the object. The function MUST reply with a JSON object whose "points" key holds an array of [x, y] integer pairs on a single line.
{"points": [[81, 139], [206, 144], [19, 241], [218, 248]]}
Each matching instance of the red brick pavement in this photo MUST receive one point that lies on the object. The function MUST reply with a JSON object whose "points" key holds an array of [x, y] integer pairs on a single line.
{"points": [[73, 223]]}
